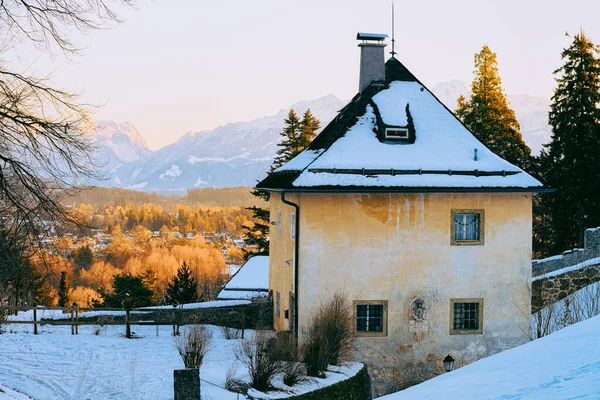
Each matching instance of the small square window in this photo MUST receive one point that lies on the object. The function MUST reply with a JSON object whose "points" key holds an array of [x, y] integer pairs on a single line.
{"points": [[466, 316], [371, 318], [466, 227], [396, 133]]}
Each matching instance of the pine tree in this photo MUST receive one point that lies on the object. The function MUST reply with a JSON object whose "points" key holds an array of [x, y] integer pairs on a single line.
{"points": [[308, 130], [296, 136], [184, 288], [63, 291], [488, 115], [571, 161], [290, 141], [258, 235]]}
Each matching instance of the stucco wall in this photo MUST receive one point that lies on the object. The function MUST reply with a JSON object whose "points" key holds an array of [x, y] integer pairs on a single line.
{"points": [[396, 247], [281, 249]]}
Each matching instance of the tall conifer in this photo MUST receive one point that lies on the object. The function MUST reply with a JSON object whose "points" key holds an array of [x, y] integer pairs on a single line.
{"points": [[571, 161], [64, 288], [184, 288], [296, 136], [488, 115]]}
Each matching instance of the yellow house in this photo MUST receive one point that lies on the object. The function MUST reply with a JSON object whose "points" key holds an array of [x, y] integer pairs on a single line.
{"points": [[426, 230]]}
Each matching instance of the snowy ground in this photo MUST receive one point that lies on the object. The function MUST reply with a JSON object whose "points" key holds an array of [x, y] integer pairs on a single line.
{"points": [[564, 365], [57, 365]]}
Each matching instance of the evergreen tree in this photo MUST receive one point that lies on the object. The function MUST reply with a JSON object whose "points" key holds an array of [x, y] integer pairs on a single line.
{"points": [[83, 257], [488, 115], [571, 161], [296, 136], [258, 235], [184, 288], [308, 130], [63, 291], [126, 286], [290, 141]]}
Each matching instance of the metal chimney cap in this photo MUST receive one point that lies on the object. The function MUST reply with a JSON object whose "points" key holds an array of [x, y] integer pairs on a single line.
{"points": [[371, 36]]}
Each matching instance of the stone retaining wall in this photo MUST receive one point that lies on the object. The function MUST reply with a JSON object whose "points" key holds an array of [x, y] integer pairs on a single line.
{"points": [[570, 257], [549, 290], [357, 387]]}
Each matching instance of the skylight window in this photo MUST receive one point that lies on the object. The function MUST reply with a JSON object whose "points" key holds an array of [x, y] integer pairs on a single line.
{"points": [[396, 133]]}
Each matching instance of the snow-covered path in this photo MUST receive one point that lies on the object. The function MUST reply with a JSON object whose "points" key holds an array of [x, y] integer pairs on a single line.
{"points": [[56, 365]]}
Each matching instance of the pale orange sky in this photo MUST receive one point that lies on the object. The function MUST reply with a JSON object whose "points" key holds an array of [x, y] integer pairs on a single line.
{"points": [[180, 65]]}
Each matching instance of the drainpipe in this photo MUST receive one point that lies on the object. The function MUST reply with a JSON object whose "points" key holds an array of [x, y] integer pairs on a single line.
{"points": [[296, 248]]}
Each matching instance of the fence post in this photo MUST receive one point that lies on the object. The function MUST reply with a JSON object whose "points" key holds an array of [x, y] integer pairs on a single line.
{"points": [[35, 328], [76, 319], [186, 384], [243, 323], [72, 321]]}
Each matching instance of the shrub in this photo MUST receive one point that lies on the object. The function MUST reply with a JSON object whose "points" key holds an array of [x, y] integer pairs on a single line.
{"points": [[256, 356], [233, 383], [193, 345], [293, 373], [330, 335], [284, 346], [98, 329], [3, 317], [231, 333]]}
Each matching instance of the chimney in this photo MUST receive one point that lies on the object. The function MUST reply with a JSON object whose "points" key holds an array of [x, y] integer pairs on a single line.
{"points": [[372, 63]]}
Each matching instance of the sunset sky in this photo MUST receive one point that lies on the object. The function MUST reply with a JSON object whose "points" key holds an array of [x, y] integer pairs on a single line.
{"points": [[188, 65]]}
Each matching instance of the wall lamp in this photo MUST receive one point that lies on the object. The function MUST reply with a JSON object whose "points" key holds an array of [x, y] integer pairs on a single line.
{"points": [[448, 363]]}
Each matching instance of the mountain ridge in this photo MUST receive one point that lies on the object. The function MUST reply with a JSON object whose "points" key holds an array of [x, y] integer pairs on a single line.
{"points": [[240, 153]]}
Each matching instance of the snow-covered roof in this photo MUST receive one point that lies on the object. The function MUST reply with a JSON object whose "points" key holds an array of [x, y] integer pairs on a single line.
{"points": [[443, 153], [250, 282]]}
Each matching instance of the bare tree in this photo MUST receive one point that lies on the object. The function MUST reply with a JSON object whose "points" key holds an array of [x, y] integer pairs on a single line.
{"points": [[45, 148]]}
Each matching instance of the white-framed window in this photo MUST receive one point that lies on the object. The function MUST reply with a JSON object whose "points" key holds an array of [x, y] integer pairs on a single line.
{"points": [[279, 223], [277, 304], [396, 133], [293, 226]]}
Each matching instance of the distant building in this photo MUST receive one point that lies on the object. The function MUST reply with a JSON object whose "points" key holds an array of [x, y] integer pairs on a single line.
{"points": [[251, 281], [426, 230]]}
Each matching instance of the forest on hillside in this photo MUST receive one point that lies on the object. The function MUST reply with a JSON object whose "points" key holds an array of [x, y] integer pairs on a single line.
{"points": [[212, 197]]}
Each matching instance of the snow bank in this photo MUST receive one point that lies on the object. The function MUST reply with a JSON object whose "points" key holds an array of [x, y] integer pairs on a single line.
{"points": [[564, 365], [55, 365]]}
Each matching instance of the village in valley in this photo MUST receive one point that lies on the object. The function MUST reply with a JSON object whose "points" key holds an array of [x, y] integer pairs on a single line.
{"points": [[414, 241]]}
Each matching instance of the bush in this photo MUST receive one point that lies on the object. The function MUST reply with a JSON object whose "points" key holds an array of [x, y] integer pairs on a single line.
{"points": [[293, 373], [233, 383], [231, 333], [330, 335], [98, 329], [284, 346], [3, 318], [193, 345], [256, 356]]}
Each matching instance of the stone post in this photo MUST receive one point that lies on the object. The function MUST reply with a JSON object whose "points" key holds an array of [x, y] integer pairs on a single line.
{"points": [[186, 384]]}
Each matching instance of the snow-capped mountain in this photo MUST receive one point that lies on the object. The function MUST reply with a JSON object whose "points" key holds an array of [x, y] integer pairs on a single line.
{"points": [[241, 153], [231, 155], [531, 111], [122, 139]]}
